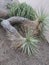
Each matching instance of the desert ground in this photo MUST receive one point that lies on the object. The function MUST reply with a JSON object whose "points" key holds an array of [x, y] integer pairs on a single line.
{"points": [[10, 56]]}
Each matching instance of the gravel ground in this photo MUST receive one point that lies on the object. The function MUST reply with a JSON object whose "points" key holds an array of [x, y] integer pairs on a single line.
{"points": [[8, 56]]}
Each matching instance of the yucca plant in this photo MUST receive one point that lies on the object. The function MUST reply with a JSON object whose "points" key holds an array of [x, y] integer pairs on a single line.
{"points": [[30, 45], [22, 10], [42, 17]]}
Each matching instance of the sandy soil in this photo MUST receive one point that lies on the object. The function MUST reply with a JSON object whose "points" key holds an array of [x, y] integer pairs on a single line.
{"points": [[8, 56]]}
